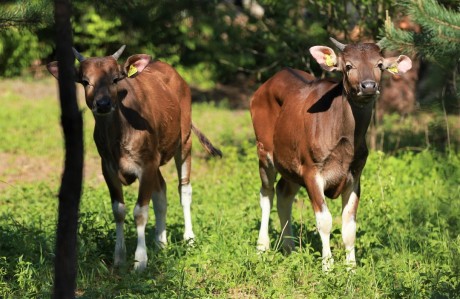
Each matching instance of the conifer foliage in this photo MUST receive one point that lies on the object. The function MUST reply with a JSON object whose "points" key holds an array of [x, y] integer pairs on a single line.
{"points": [[439, 37], [25, 13]]}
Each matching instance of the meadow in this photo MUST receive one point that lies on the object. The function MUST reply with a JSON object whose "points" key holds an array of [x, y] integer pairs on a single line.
{"points": [[408, 239]]}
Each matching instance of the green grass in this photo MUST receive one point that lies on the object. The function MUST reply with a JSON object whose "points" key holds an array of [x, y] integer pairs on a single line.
{"points": [[408, 243]]}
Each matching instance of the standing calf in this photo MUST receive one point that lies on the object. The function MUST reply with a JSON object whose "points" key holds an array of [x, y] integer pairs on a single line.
{"points": [[142, 113], [312, 131]]}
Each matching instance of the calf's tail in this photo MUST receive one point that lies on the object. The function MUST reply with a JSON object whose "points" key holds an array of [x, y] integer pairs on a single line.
{"points": [[214, 151]]}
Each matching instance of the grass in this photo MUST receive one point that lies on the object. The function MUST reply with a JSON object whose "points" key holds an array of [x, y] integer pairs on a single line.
{"points": [[408, 243]]}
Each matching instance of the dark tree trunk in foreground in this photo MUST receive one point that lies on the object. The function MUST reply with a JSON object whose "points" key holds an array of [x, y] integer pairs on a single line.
{"points": [[71, 185]]}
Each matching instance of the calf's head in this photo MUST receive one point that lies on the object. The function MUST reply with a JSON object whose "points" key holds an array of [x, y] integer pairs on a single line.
{"points": [[362, 66], [100, 75]]}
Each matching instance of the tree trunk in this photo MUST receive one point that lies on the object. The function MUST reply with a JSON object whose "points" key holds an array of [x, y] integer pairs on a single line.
{"points": [[71, 184]]}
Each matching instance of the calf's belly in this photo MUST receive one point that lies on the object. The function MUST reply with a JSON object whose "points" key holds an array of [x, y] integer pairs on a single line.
{"points": [[334, 174]]}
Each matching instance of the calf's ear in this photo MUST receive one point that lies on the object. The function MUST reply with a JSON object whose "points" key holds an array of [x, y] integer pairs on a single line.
{"points": [[397, 65], [53, 69], [325, 57], [136, 64]]}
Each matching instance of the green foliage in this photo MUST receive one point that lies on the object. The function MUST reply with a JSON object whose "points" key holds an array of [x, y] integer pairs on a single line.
{"points": [[20, 44], [93, 33], [408, 224], [19, 49], [215, 40], [431, 130], [231, 40]]}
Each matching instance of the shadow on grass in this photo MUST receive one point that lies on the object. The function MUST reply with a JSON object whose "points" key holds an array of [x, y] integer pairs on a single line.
{"points": [[304, 237], [162, 277], [34, 244], [28, 251]]}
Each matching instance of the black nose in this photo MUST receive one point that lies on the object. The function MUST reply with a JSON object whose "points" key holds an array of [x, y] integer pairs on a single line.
{"points": [[103, 105], [368, 85]]}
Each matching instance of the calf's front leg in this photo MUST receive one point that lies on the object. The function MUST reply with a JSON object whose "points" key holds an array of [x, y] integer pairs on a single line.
{"points": [[149, 187], [141, 216], [350, 201], [160, 208], [315, 189], [119, 213]]}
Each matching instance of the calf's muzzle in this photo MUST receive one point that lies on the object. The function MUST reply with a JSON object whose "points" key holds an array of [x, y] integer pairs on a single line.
{"points": [[368, 87], [103, 105]]}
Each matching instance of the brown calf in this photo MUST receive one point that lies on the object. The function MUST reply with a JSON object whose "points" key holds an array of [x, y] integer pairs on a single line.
{"points": [[142, 113], [312, 131]]}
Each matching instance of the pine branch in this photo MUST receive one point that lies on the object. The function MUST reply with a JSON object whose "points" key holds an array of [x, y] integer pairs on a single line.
{"points": [[440, 35], [26, 14], [431, 11], [398, 40]]}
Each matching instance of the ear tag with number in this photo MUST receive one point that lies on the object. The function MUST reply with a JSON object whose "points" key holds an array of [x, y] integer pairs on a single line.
{"points": [[132, 70], [329, 60], [393, 69]]}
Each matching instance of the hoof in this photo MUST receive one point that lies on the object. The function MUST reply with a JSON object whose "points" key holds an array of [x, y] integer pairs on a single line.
{"points": [[328, 262], [140, 266], [140, 260], [262, 248], [189, 238]]}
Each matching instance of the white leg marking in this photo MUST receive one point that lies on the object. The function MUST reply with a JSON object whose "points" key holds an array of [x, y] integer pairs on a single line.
{"points": [[184, 172], [119, 213], [141, 215], [349, 227], [266, 201], [324, 225], [186, 201], [160, 207]]}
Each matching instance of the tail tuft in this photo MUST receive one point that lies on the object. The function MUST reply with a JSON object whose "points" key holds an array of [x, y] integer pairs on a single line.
{"points": [[214, 151]]}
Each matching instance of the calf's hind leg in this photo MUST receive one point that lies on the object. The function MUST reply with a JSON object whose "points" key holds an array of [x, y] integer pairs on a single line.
{"points": [[285, 195], [267, 192], [183, 160]]}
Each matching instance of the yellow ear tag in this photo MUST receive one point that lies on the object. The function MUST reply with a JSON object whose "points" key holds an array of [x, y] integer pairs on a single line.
{"points": [[132, 71], [329, 61], [393, 69]]}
